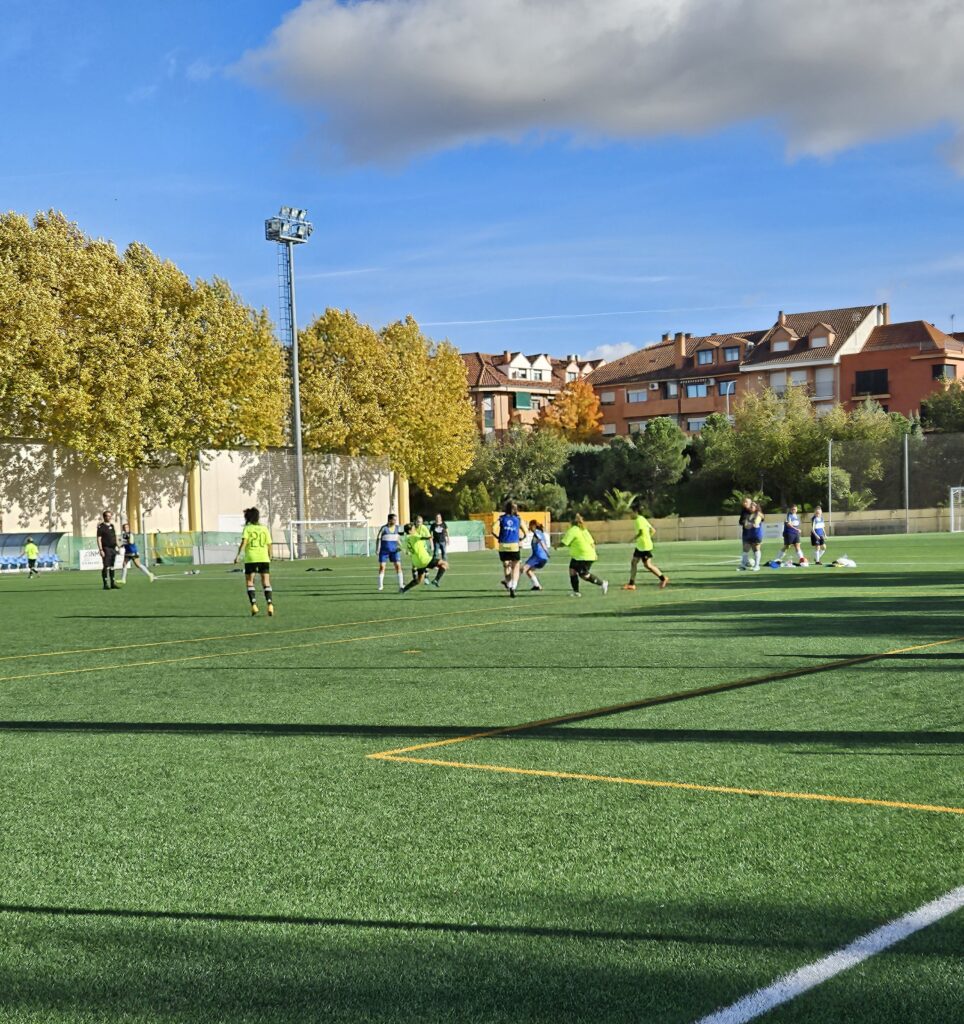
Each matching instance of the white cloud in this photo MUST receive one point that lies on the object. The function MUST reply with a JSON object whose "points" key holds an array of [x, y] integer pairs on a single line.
{"points": [[390, 78], [615, 350]]}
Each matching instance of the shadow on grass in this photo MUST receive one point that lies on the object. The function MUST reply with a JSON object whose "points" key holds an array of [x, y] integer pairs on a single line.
{"points": [[71, 963], [838, 738]]}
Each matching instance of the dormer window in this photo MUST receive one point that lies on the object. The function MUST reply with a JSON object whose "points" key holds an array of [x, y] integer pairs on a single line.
{"points": [[731, 354], [571, 375], [819, 341], [704, 357], [780, 345], [537, 375], [520, 374]]}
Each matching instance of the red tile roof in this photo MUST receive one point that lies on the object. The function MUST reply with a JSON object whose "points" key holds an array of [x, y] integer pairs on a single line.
{"points": [[843, 322], [915, 334], [657, 362], [482, 371]]}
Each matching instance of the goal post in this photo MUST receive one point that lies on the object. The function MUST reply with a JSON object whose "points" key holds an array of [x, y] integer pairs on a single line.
{"points": [[324, 538], [957, 509]]}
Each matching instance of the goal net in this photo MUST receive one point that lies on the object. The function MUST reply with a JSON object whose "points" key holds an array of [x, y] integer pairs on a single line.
{"points": [[329, 538], [957, 510]]}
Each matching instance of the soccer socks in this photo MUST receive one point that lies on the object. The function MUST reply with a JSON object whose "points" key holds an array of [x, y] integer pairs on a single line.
{"points": [[536, 585], [574, 583], [252, 597], [267, 595], [756, 558], [439, 574], [589, 578], [401, 579], [124, 574]]}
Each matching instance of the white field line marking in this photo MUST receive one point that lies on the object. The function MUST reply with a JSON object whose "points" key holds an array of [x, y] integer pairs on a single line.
{"points": [[795, 984]]}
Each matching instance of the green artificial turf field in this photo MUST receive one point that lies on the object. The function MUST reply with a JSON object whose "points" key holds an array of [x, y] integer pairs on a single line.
{"points": [[194, 827]]}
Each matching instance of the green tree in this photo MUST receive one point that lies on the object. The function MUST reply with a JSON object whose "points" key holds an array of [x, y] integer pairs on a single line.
{"points": [[520, 461], [944, 409]]}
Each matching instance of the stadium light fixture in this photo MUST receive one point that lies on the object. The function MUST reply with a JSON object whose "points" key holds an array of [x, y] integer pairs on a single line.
{"points": [[289, 228]]}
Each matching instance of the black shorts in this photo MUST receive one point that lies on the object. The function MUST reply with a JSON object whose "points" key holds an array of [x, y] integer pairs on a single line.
{"points": [[251, 568], [646, 556], [817, 541], [108, 557], [31, 563], [509, 556], [580, 567]]}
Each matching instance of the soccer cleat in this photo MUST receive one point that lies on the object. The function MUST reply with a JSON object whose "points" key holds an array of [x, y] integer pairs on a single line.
{"points": [[535, 588], [605, 587], [504, 583], [664, 583], [629, 586], [254, 609], [401, 590], [754, 568], [380, 588], [270, 609], [433, 583], [512, 592], [151, 576], [574, 593]]}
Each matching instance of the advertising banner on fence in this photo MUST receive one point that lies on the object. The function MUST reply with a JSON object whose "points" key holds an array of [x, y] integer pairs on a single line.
{"points": [[90, 559]]}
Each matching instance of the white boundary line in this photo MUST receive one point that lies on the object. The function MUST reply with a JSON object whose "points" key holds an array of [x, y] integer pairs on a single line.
{"points": [[792, 985]]}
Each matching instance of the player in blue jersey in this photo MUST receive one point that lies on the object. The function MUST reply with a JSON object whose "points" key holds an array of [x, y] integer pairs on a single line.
{"points": [[791, 536], [818, 534], [388, 547], [131, 554], [752, 538], [510, 535], [539, 558]]}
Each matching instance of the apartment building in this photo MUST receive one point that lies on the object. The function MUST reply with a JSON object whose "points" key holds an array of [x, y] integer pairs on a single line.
{"points": [[514, 387], [687, 378], [805, 350], [682, 377], [900, 365]]}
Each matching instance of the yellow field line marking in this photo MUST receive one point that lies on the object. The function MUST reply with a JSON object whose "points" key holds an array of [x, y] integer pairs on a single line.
{"points": [[668, 698], [224, 636], [264, 650], [660, 784]]}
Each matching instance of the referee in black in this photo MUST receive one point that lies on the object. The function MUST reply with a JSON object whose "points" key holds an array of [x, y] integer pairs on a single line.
{"points": [[107, 545]]}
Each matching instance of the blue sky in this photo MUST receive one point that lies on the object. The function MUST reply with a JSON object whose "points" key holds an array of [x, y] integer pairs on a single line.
{"points": [[608, 215]]}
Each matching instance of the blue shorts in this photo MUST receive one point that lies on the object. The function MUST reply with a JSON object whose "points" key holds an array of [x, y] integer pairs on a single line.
{"points": [[753, 536], [386, 555], [130, 551], [791, 536], [533, 562]]}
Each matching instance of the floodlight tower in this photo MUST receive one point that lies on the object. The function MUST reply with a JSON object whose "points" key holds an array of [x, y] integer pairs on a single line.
{"points": [[290, 228]]}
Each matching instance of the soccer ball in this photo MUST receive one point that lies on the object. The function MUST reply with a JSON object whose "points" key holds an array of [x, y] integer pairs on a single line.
{"points": [[119, 583], [803, 561]]}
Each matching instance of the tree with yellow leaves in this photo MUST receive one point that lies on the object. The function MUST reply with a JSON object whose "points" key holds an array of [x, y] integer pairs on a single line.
{"points": [[391, 394], [575, 414]]}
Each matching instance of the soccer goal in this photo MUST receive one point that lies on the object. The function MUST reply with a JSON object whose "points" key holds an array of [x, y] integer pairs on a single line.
{"points": [[329, 538], [957, 510]]}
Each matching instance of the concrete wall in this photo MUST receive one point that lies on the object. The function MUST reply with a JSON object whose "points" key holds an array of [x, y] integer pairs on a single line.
{"points": [[41, 489], [841, 524]]}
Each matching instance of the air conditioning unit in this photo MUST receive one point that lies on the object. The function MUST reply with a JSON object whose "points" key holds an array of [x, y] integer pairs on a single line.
{"points": [[654, 386], [710, 381]]}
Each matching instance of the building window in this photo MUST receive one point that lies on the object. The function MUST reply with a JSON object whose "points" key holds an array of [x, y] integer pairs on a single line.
{"points": [[727, 387], [819, 341], [522, 400], [778, 381], [571, 375], [732, 355], [519, 375], [607, 397], [946, 371], [488, 414], [870, 382], [671, 389], [609, 429], [798, 378], [637, 396], [704, 357], [781, 345], [694, 426], [823, 382], [696, 390], [637, 426], [536, 403], [537, 375]]}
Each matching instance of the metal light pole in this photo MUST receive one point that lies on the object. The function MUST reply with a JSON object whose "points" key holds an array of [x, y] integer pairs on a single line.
{"points": [[290, 228]]}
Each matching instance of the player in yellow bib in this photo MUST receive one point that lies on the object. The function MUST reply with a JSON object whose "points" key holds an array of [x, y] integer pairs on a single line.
{"points": [[582, 554], [31, 551], [256, 545], [643, 552]]}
